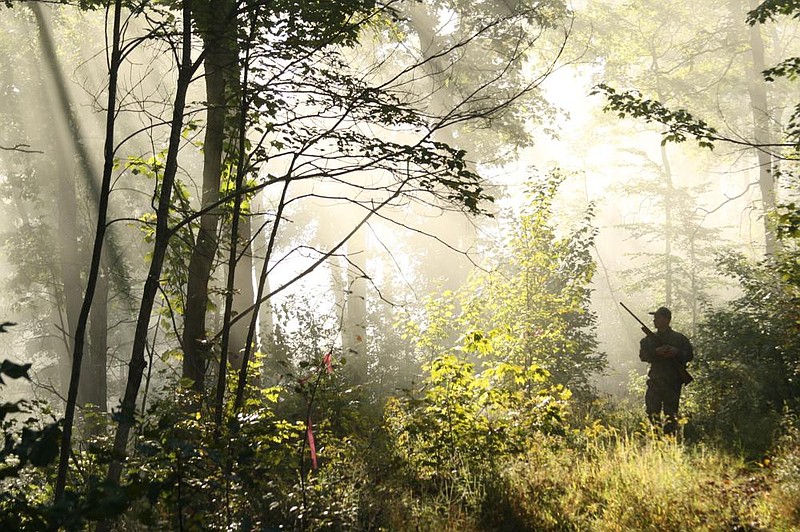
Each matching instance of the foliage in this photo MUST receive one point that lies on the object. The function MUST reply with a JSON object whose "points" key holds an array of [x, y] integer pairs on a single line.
{"points": [[750, 363], [541, 295], [786, 470], [468, 420], [680, 124], [29, 447], [454, 432], [533, 308], [501, 355], [788, 68], [787, 223], [769, 9], [621, 482], [184, 471], [23, 442], [189, 464], [599, 479]]}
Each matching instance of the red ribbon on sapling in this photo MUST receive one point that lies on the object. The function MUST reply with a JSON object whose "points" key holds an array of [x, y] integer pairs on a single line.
{"points": [[312, 445]]}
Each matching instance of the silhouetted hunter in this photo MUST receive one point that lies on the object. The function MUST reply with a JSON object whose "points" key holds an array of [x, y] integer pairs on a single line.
{"points": [[667, 352]]}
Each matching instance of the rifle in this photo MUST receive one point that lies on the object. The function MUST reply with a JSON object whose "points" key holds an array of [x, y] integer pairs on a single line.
{"points": [[685, 377]]}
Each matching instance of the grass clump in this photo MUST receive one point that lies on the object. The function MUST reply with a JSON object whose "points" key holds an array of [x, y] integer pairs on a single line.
{"points": [[640, 482]]}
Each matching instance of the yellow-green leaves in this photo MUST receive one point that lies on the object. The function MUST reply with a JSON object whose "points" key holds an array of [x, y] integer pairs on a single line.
{"points": [[462, 420]]}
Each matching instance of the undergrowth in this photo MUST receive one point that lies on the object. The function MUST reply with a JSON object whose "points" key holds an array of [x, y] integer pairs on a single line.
{"points": [[620, 482]]}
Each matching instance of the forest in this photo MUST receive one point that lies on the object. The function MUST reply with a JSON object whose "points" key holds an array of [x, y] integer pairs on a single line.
{"points": [[365, 265]]}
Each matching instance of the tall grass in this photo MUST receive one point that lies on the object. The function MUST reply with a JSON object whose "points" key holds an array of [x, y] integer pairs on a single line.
{"points": [[642, 482], [607, 482]]}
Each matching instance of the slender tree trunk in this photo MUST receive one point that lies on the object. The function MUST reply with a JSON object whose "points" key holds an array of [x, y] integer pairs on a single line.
{"points": [[244, 295], [759, 108], [669, 229], [95, 388], [230, 288], [667, 194], [218, 60], [237, 336], [757, 89], [273, 336], [137, 364], [266, 322], [67, 207], [694, 287], [77, 356], [355, 322]]}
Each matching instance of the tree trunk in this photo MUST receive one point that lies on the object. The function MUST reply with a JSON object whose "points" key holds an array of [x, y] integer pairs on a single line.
{"points": [[218, 60], [238, 336], [244, 295], [759, 108], [273, 334], [163, 233], [757, 89], [355, 322], [95, 384], [266, 322], [94, 269], [669, 230], [67, 208]]}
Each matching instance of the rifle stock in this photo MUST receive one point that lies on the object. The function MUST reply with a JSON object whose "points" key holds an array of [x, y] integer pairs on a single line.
{"points": [[684, 374]]}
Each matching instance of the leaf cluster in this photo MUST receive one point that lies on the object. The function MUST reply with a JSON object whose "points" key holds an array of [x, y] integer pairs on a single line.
{"points": [[769, 9], [680, 124], [459, 420], [29, 447]]}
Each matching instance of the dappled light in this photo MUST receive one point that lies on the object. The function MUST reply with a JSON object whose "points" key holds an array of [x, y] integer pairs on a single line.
{"points": [[400, 265]]}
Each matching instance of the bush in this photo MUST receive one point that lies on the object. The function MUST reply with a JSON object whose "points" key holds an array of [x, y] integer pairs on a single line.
{"points": [[748, 362]]}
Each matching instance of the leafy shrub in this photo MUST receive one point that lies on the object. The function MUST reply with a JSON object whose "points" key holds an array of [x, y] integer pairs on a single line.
{"points": [[455, 431], [749, 361], [29, 448]]}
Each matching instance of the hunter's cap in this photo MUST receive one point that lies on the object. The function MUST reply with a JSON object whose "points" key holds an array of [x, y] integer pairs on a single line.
{"points": [[662, 311]]}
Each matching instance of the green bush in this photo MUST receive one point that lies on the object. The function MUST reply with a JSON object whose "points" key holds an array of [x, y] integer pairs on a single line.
{"points": [[748, 361]]}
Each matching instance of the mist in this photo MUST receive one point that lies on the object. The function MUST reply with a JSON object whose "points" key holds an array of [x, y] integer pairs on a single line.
{"points": [[303, 237]]}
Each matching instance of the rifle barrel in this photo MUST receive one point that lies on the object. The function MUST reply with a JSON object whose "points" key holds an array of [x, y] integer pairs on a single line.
{"points": [[634, 315]]}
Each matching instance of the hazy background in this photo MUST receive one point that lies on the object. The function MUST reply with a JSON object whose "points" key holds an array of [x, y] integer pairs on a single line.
{"points": [[682, 55]]}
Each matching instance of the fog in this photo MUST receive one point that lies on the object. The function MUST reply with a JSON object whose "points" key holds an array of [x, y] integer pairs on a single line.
{"points": [[418, 244]]}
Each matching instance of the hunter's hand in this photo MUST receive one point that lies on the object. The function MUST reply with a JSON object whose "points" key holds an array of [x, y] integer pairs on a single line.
{"points": [[666, 351]]}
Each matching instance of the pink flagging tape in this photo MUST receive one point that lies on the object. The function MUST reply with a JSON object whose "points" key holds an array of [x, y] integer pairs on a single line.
{"points": [[311, 444]]}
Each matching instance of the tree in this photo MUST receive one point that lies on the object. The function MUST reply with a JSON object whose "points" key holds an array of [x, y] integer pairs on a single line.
{"points": [[532, 308], [670, 53], [683, 274], [217, 24], [295, 112], [680, 125], [186, 70]]}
